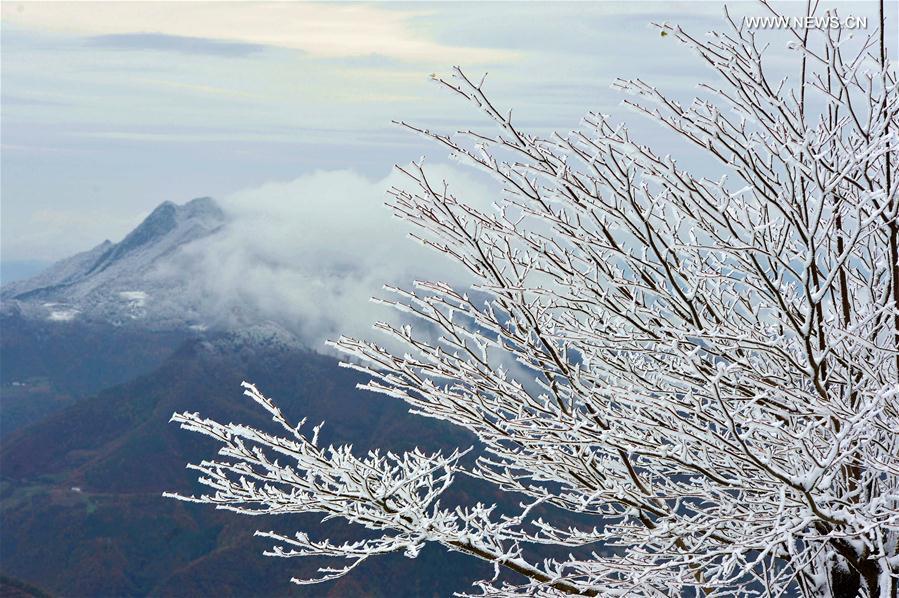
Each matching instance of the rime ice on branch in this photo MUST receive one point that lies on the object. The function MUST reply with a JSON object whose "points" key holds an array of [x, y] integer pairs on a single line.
{"points": [[705, 368]]}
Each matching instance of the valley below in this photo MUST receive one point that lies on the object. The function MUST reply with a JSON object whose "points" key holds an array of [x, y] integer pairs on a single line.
{"points": [[81, 486]]}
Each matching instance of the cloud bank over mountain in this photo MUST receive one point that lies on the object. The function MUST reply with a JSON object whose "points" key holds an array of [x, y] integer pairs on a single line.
{"points": [[309, 253]]}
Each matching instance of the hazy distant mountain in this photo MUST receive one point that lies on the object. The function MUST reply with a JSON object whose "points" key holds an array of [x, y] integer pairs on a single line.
{"points": [[126, 282]]}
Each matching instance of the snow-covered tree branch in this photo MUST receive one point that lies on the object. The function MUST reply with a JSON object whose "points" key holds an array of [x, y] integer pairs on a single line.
{"points": [[705, 369]]}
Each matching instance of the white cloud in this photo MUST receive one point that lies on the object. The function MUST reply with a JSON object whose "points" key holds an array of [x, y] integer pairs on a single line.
{"points": [[309, 253]]}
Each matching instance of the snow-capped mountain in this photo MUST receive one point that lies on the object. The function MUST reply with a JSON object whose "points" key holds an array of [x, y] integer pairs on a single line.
{"points": [[126, 282]]}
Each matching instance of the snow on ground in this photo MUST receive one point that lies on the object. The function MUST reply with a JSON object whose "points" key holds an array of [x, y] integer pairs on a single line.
{"points": [[62, 315]]}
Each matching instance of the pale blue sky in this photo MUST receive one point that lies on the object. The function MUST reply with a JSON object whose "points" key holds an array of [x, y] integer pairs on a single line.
{"points": [[109, 109]]}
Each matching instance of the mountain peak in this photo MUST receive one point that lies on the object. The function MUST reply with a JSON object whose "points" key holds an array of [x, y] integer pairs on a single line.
{"points": [[196, 219], [160, 221], [110, 281], [202, 204]]}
